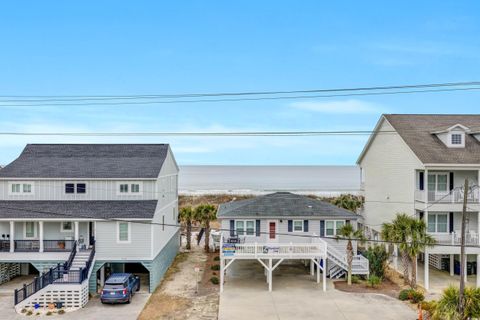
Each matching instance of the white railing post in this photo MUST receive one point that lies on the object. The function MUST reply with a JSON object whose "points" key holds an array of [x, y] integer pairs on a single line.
{"points": [[255, 250]]}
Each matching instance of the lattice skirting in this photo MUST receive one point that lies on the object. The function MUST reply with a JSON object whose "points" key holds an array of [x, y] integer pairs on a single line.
{"points": [[9, 271]]}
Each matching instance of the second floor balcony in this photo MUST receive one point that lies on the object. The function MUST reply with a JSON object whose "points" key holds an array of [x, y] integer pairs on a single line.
{"points": [[453, 196]]}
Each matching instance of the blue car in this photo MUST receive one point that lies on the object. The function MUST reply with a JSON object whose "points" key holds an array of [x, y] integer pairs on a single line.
{"points": [[120, 287]]}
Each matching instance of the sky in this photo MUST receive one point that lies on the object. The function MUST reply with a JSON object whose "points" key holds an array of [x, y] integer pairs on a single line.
{"points": [[155, 47]]}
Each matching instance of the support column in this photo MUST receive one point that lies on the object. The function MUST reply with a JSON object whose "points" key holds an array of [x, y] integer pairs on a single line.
{"points": [[12, 236], [395, 256], [426, 276], [452, 265], [102, 276], [312, 267], [221, 272], [75, 223], [465, 267], [324, 264], [478, 271], [270, 275], [40, 236]]}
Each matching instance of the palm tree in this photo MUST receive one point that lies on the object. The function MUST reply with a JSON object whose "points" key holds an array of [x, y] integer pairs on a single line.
{"points": [[398, 232], [348, 202], [347, 232], [419, 240], [205, 213], [187, 218]]}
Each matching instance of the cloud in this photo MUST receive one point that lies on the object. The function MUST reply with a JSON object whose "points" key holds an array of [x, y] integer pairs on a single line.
{"points": [[351, 106]]}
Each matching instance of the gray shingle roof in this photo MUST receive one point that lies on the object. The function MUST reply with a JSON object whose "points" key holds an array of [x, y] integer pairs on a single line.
{"points": [[282, 204], [38, 209], [87, 161], [416, 131]]}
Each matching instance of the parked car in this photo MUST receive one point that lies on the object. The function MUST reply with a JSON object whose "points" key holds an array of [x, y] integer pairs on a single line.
{"points": [[120, 287]]}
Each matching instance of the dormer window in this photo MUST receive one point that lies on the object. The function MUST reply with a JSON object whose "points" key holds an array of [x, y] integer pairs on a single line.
{"points": [[456, 138], [453, 137]]}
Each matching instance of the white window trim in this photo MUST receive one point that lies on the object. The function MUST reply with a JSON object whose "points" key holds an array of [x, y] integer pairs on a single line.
{"points": [[130, 193], [66, 230], [451, 145], [21, 183], [436, 222], [436, 174], [245, 228], [293, 225], [35, 231], [129, 232], [334, 227]]}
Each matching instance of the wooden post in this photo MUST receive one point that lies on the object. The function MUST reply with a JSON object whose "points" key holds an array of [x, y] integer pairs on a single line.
{"points": [[452, 265], [270, 275], [324, 264], [426, 267], [463, 262], [312, 267], [318, 271]]}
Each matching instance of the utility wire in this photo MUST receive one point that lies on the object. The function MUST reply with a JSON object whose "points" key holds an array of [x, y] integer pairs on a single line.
{"points": [[220, 94], [202, 134], [236, 99]]}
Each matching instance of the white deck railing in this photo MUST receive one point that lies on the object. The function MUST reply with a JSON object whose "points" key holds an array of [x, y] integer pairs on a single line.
{"points": [[454, 238], [454, 196], [317, 248]]}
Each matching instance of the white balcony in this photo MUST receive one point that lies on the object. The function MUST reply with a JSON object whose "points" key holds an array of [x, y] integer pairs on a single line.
{"points": [[454, 196], [454, 238]]}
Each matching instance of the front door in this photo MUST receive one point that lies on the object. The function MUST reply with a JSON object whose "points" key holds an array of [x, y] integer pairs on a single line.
{"points": [[272, 231]]}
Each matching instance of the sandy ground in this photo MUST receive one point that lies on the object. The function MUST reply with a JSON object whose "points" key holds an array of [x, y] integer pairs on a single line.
{"points": [[176, 297]]}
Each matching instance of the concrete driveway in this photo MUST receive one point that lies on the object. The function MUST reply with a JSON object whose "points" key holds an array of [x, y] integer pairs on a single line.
{"points": [[93, 310], [297, 296]]}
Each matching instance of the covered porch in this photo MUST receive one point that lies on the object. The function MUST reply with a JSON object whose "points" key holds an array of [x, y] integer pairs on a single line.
{"points": [[28, 236]]}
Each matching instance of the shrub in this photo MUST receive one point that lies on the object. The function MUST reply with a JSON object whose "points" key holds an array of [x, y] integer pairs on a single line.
{"points": [[377, 259], [29, 312], [49, 313], [215, 267], [217, 258], [416, 296], [23, 310], [446, 307], [61, 311], [429, 306], [405, 294], [214, 280], [355, 279], [373, 281]]}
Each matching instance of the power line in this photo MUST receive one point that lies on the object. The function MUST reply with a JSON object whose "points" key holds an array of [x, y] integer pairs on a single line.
{"points": [[217, 94], [236, 99], [201, 134]]}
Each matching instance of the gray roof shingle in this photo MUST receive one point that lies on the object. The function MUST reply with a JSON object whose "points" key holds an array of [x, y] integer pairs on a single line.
{"points": [[416, 130], [87, 161], [282, 204], [108, 209]]}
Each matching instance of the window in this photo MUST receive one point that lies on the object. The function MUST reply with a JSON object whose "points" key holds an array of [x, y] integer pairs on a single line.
{"points": [[123, 231], [298, 225], [66, 226], [29, 230], [129, 188], [250, 228], [437, 182], [81, 188], [456, 138], [16, 188], [437, 222], [69, 188], [20, 188], [135, 188], [240, 227], [332, 227], [245, 227]]}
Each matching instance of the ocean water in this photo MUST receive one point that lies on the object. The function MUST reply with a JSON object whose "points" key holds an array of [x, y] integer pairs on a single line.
{"points": [[320, 180]]}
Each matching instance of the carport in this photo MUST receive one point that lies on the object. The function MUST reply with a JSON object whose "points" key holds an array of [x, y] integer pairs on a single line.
{"points": [[136, 268]]}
